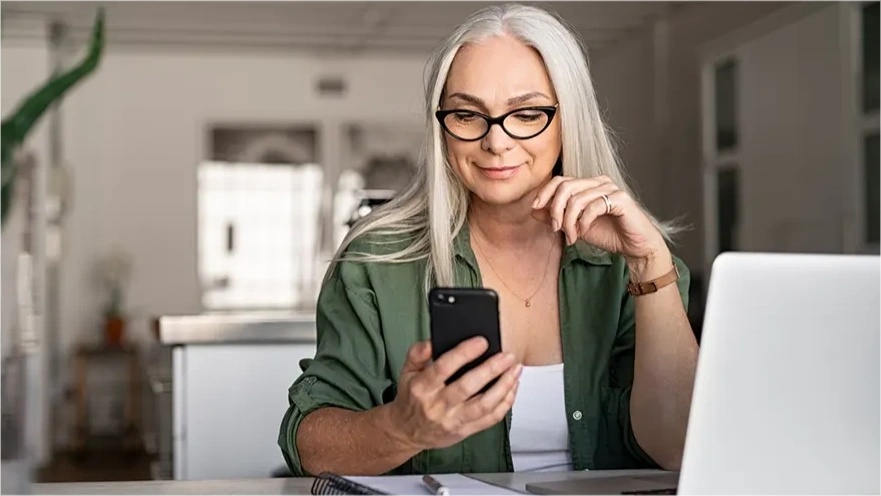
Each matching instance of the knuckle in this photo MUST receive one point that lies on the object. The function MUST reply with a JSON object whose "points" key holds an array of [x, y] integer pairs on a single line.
{"points": [[498, 366], [451, 425], [485, 406], [465, 386], [445, 367], [417, 391], [566, 187], [425, 411]]}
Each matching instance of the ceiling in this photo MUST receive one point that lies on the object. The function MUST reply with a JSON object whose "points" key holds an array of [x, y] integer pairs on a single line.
{"points": [[330, 26]]}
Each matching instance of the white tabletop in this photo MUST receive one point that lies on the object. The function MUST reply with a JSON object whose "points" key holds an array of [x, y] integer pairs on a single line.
{"points": [[516, 481]]}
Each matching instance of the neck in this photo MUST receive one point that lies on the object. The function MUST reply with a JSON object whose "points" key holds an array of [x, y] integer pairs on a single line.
{"points": [[508, 226]]}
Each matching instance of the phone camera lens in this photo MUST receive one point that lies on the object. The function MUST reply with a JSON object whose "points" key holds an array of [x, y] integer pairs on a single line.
{"points": [[452, 299], [440, 297]]}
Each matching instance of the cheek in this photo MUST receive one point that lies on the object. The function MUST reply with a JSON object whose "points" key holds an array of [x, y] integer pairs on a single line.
{"points": [[458, 153], [544, 152]]}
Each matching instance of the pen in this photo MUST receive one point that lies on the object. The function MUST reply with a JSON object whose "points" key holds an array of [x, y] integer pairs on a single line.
{"points": [[435, 486]]}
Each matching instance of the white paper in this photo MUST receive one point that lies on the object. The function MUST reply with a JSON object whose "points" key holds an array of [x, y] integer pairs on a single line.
{"points": [[412, 484]]}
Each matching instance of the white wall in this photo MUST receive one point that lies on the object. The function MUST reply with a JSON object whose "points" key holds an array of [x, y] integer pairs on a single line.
{"points": [[796, 179], [665, 159]]}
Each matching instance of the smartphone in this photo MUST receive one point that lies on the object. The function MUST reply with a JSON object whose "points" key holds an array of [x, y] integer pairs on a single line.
{"points": [[458, 314]]}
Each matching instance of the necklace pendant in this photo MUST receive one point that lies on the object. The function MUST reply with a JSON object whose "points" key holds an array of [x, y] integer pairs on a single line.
{"points": [[528, 304]]}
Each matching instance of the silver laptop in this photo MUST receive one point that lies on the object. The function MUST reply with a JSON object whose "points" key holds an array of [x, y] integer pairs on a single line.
{"points": [[786, 399]]}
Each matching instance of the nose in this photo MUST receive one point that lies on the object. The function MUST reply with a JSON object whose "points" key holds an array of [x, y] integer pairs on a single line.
{"points": [[497, 141]]}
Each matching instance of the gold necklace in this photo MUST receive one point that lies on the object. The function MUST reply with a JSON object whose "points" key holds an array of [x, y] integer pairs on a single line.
{"points": [[527, 301]]}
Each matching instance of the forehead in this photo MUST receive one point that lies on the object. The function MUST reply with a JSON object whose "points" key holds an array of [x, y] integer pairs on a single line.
{"points": [[497, 69]]}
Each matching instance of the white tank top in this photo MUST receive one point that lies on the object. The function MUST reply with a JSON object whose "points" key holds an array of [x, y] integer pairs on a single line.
{"points": [[539, 430]]}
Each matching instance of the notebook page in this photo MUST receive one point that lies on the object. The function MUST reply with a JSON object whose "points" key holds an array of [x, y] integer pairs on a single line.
{"points": [[412, 484]]}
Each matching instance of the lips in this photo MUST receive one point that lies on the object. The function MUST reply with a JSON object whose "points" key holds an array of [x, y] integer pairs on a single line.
{"points": [[500, 172]]}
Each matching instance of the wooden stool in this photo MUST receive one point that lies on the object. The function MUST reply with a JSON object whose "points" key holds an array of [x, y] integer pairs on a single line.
{"points": [[131, 433]]}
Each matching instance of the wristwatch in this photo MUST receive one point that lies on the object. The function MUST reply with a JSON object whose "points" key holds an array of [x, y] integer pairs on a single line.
{"points": [[644, 288]]}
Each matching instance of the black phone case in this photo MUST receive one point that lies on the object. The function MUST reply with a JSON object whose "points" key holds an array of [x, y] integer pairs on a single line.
{"points": [[473, 312]]}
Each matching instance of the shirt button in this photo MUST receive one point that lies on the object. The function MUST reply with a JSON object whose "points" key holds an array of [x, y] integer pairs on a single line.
{"points": [[576, 414]]}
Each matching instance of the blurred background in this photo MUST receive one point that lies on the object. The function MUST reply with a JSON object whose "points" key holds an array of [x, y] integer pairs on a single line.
{"points": [[175, 211]]}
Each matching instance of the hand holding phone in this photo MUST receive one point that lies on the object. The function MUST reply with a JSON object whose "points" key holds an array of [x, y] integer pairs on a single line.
{"points": [[459, 314], [458, 384]]}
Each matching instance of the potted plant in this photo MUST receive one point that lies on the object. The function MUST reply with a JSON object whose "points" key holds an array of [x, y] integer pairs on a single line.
{"points": [[114, 272]]}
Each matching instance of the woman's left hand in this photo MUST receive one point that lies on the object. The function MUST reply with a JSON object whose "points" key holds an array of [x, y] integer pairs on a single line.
{"points": [[577, 207]]}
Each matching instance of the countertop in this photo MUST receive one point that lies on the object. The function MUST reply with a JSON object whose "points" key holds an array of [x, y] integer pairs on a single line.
{"points": [[227, 328], [516, 481]]}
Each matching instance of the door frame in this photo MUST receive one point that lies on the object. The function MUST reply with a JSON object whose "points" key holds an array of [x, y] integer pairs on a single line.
{"points": [[713, 161], [855, 126]]}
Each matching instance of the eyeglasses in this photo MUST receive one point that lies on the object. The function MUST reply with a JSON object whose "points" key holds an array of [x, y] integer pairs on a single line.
{"points": [[523, 123]]}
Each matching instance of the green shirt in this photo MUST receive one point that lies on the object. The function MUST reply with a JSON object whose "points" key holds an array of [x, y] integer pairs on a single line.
{"points": [[369, 314]]}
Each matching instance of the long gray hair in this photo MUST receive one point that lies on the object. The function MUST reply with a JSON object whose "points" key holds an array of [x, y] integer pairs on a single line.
{"points": [[432, 210]]}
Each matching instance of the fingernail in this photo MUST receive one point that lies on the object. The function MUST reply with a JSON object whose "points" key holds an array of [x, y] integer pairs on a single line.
{"points": [[556, 225], [519, 369], [535, 203]]}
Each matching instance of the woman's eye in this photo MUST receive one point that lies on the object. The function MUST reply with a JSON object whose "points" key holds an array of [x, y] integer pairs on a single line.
{"points": [[464, 116], [529, 116]]}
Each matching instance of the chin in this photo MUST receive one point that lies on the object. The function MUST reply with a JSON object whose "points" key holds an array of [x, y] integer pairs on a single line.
{"points": [[499, 194]]}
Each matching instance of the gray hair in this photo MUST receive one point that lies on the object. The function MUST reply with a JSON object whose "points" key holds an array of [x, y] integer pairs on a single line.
{"points": [[432, 210]]}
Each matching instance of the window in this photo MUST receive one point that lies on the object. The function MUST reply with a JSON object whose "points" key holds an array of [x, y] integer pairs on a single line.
{"points": [[870, 56], [726, 105], [258, 234], [872, 203]]}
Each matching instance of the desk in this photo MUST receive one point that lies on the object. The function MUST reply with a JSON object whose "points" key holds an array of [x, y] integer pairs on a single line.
{"points": [[516, 481]]}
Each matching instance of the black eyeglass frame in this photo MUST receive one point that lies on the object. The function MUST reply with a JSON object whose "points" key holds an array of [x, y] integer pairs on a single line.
{"points": [[550, 111]]}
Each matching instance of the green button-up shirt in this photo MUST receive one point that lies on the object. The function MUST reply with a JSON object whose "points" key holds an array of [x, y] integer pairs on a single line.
{"points": [[369, 314]]}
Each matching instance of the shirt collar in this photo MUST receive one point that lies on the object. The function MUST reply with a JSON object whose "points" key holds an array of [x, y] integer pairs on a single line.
{"points": [[580, 251]]}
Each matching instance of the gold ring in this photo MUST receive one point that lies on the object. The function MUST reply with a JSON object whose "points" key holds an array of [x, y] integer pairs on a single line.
{"points": [[608, 204]]}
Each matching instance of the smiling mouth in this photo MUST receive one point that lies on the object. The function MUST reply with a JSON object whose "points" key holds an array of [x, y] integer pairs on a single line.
{"points": [[499, 172], [500, 168]]}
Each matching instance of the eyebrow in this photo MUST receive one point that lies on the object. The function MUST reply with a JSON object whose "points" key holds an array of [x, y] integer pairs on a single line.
{"points": [[510, 102]]}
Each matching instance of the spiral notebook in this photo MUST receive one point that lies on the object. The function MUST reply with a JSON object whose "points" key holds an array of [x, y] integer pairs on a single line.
{"points": [[328, 483], [402, 484]]}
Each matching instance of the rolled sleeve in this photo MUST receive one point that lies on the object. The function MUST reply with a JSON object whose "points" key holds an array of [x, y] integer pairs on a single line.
{"points": [[622, 448], [349, 369]]}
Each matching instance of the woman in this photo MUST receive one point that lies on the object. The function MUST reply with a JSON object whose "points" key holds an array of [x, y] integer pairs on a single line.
{"points": [[520, 191]]}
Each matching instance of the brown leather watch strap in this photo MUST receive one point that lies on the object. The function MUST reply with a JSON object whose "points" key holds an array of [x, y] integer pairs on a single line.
{"points": [[644, 288]]}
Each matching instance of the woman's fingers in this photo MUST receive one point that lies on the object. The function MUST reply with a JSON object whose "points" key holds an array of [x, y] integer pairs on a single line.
{"points": [[557, 192], [598, 207], [450, 362], [578, 204], [547, 192], [474, 380], [484, 404], [496, 414], [418, 357]]}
